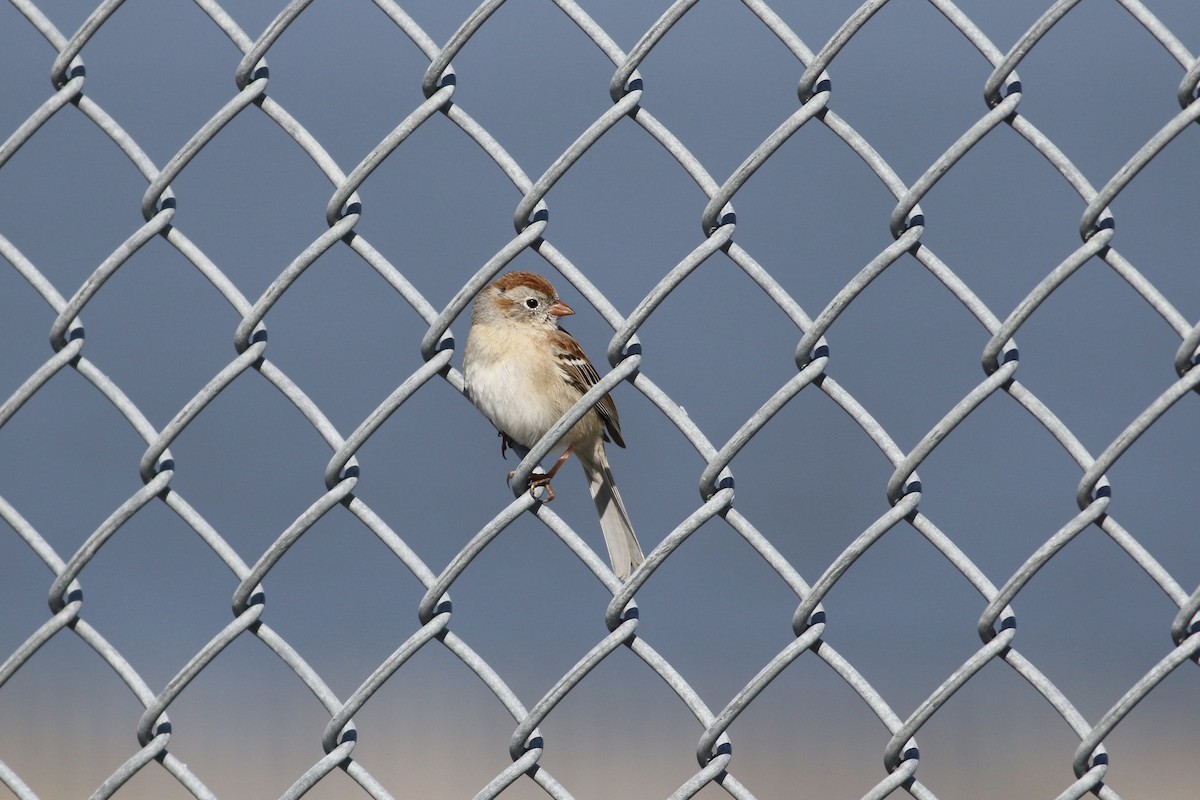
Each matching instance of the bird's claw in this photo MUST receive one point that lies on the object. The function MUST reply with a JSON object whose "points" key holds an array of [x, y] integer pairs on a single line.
{"points": [[538, 481], [542, 480]]}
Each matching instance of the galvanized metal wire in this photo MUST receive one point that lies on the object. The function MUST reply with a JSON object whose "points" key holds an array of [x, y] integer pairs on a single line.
{"points": [[816, 371]]}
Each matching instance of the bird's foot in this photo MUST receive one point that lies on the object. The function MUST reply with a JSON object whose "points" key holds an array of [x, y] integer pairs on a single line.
{"points": [[538, 481], [542, 480]]}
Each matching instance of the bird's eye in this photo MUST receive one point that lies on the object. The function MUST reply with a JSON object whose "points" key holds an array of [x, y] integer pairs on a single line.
{"points": [[532, 303]]}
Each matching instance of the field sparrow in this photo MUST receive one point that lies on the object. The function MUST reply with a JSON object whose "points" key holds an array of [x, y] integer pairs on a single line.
{"points": [[524, 373]]}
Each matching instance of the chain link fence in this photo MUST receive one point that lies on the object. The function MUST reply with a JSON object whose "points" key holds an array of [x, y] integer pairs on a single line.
{"points": [[384, 526]]}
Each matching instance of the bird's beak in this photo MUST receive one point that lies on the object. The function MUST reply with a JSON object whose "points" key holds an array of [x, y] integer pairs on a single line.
{"points": [[559, 309]]}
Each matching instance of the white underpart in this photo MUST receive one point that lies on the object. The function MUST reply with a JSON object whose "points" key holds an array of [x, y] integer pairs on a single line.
{"points": [[503, 389]]}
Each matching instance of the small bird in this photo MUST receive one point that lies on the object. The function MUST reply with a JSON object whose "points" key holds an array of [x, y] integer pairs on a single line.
{"points": [[524, 373]]}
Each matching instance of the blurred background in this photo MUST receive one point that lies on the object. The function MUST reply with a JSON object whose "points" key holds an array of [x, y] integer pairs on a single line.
{"points": [[1096, 353]]}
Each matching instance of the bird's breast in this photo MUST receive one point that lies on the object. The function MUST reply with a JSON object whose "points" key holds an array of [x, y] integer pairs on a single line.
{"points": [[509, 388]]}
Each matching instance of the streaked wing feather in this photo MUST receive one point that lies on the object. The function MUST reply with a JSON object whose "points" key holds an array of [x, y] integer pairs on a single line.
{"points": [[582, 376]]}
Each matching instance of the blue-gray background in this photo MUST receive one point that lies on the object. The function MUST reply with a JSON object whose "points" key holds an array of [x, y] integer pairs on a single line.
{"points": [[438, 208]]}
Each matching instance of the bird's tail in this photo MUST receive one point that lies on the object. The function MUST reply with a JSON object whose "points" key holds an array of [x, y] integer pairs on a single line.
{"points": [[623, 549]]}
